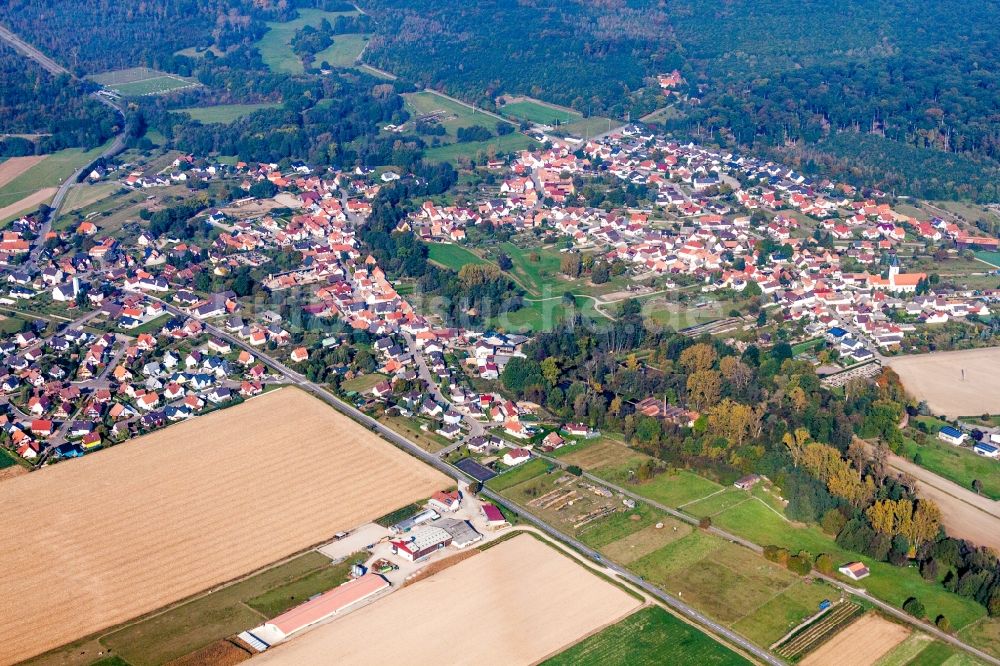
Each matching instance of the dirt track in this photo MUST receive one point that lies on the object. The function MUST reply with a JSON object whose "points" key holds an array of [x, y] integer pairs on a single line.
{"points": [[965, 514], [28, 203], [15, 166], [516, 603], [862, 643], [937, 378], [97, 541]]}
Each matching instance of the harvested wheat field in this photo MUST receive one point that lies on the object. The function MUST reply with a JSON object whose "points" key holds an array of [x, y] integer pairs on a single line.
{"points": [[129, 530], [862, 643], [517, 602], [15, 166], [937, 378]]}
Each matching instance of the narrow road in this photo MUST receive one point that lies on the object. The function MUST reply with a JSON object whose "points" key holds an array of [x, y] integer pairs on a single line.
{"points": [[440, 465], [116, 146], [30, 51]]}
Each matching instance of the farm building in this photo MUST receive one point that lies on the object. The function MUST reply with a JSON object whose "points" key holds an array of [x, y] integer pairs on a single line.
{"points": [[951, 435], [986, 450], [854, 570], [318, 609], [445, 501], [462, 533], [494, 518], [421, 543]]}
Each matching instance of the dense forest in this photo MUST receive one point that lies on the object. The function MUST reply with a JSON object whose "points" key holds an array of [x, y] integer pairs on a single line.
{"points": [[89, 36], [56, 109], [765, 73], [573, 53]]}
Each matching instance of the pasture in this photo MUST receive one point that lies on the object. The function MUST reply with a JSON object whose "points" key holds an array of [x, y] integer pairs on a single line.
{"points": [[756, 521], [87, 194], [938, 379], [649, 636], [276, 45], [452, 256], [539, 112], [175, 512], [497, 145], [224, 113], [344, 51], [529, 601]]}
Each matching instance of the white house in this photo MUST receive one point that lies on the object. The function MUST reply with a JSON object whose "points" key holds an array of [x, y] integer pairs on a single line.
{"points": [[953, 436], [516, 457]]}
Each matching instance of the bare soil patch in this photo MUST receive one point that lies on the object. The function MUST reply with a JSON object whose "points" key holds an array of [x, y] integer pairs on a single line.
{"points": [[601, 454], [132, 529], [519, 601], [28, 203], [12, 471], [15, 166], [220, 653], [937, 378], [862, 643]]}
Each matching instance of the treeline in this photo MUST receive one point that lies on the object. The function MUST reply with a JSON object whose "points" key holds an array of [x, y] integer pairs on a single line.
{"points": [[56, 108], [756, 411]]}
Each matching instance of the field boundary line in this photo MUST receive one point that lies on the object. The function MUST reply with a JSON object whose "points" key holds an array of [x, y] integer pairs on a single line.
{"points": [[712, 494]]}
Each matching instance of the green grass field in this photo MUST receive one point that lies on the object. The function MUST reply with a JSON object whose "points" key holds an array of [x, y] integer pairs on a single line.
{"points": [[452, 256], [779, 615], [7, 459], [50, 172], [191, 626], [153, 86], [362, 383], [670, 489], [724, 580], [989, 257], [754, 521], [519, 474], [276, 601], [344, 51], [534, 112], [275, 46], [477, 149], [536, 316], [649, 636], [224, 113], [955, 463], [619, 525], [587, 127], [85, 195]]}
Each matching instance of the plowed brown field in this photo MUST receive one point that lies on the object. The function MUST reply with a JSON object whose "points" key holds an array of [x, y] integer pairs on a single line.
{"points": [[516, 603], [93, 542]]}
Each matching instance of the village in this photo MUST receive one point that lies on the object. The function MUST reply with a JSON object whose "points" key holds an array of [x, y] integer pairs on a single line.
{"points": [[137, 355]]}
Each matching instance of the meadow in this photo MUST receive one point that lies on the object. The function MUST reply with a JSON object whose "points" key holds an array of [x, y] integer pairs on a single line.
{"points": [[958, 464], [536, 112], [276, 49], [452, 256]]}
